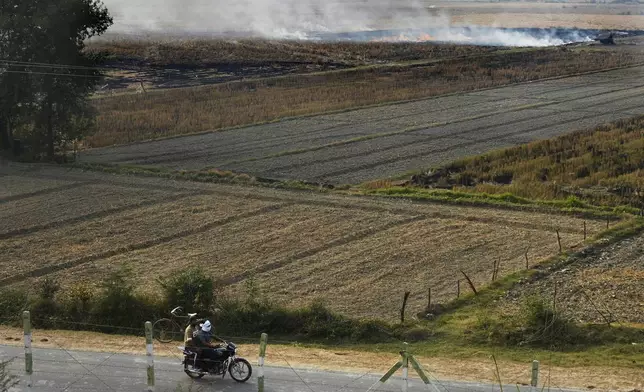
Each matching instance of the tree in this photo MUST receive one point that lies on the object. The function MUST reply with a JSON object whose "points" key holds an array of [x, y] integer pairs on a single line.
{"points": [[45, 75]]}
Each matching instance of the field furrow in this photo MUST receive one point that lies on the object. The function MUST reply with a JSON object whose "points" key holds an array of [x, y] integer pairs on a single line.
{"points": [[358, 254], [238, 248], [410, 257]]}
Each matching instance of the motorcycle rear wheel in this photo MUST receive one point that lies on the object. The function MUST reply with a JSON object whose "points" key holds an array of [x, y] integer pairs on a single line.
{"points": [[189, 370], [240, 370]]}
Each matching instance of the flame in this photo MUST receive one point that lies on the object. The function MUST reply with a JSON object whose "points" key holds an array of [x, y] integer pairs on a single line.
{"points": [[424, 37]]}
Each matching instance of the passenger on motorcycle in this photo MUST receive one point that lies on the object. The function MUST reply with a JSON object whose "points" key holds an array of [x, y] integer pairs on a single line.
{"points": [[191, 330], [203, 340]]}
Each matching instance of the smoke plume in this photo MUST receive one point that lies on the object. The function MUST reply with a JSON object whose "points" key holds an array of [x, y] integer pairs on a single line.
{"points": [[309, 19]]}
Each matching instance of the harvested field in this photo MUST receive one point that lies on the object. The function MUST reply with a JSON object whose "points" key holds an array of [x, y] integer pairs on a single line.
{"points": [[356, 254], [371, 143]]}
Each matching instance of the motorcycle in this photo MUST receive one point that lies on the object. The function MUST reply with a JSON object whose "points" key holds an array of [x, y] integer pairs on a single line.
{"points": [[238, 368]]}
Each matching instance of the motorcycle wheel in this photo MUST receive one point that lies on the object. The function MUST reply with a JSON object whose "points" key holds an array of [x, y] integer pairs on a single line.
{"points": [[190, 372], [240, 370]]}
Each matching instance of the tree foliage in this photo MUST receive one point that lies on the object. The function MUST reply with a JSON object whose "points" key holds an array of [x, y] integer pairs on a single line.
{"points": [[45, 74]]}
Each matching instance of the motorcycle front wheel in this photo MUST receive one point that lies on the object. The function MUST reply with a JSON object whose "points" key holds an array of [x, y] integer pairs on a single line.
{"points": [[191, 372], [240, 370]]}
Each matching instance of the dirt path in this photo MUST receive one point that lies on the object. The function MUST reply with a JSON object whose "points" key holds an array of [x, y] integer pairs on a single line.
{"points": [[475, 369]]}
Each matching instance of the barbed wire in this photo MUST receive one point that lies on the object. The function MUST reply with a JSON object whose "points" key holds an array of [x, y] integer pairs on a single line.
{"points": [[296, 373]]}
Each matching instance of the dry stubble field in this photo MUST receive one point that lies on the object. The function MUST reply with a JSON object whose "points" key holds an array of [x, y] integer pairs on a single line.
{"points": [[356, 254]]}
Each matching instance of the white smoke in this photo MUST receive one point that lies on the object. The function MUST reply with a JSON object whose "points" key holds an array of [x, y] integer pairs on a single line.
{"points": [[306, 19], [268, 18]]}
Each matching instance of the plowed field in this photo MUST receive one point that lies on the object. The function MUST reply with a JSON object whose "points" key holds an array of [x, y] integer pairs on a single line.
{"points": [[358, 255]]}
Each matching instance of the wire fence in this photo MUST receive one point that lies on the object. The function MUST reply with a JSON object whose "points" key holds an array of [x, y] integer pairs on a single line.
{"points": [[61, 363]]}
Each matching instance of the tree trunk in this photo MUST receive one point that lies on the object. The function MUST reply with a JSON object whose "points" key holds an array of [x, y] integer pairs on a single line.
{"points": [[6, 139], [50, 130]]}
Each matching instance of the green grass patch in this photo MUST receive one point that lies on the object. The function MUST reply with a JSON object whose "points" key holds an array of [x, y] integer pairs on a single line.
{"points": [[570, 205]]}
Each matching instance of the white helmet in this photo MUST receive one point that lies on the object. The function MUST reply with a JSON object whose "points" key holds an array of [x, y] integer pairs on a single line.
{"points": [[206, 327]]}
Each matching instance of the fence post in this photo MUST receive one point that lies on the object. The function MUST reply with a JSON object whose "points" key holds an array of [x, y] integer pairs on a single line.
{"points": [[260, 362], [535, 373], [404, 305], [29, 359], [150, 355], [405, 367], [584, 230]]}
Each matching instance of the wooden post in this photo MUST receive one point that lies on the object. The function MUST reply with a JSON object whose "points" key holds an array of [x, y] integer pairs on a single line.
{"points": [[150, 355], [535, 373], [607, 223], [559, 242], [404, 305], [458, 288], [498, 374], [527, 264], [260, 362], [470, 283], [496, 271], [405, 368], [493, 270], [429, 298], [584, 230], [29, 359]]}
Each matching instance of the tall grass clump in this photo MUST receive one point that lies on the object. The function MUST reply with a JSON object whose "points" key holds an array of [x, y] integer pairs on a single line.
{"points": [[601, 166]]}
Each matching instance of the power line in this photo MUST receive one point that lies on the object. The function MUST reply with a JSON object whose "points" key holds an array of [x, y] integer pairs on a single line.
{"points": [[53, 74], [50, 65]]}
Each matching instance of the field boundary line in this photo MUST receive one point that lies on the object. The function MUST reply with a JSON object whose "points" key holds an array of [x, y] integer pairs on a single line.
{"points": [[38, 272], [392, 103], [96, 215], [357, 236], [245, 191], [46, 191]]}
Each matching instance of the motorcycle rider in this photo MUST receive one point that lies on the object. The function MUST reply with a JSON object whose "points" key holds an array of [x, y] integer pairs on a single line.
{"points": [[191, 330], [203, 340]]}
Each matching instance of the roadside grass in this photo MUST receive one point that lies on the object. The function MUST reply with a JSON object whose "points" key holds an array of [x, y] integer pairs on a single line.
{"points": [[165, 113]]}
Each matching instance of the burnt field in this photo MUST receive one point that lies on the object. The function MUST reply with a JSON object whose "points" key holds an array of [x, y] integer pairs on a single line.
{"points": [[356, 254], [365, 144]]}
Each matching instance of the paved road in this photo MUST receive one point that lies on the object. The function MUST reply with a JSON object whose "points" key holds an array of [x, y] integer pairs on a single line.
{"points": [[371, 143], [57, 370]]}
